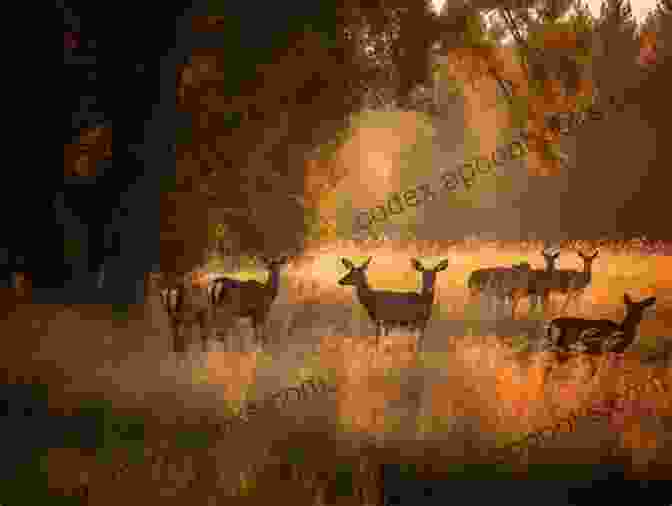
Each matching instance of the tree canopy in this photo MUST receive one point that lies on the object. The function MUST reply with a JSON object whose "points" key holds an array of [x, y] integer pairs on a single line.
{"points": [[264, 106]]}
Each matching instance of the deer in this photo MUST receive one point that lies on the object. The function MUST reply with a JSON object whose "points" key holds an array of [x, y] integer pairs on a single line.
{"points": [[249, 299], [595, 337], [501, 283], [540, 279], [186, 302], [388, 309], [569, 282]]}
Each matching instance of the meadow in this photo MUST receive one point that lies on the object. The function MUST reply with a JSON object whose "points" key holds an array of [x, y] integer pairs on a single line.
{"points": [[465, 407]]}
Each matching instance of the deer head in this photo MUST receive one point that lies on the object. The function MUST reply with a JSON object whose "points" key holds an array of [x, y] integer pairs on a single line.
{"points": [[429, 275], [356, 275]]}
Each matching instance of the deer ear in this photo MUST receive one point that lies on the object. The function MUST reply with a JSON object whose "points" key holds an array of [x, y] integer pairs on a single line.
{"points": [[595, 254], [416, 265], [442, 266], [365, 265], [627, 299], [650, 301], [347, 263]]}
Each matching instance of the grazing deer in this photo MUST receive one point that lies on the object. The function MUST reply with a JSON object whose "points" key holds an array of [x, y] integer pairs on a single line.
{"points": [[598, 336], [541, 279], [249, 299], [389, 309], [501, 283], [186, 302], [570, 282]]}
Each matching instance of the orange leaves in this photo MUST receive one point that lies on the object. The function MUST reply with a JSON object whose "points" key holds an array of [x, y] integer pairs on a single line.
{"points": [[94, 144]]}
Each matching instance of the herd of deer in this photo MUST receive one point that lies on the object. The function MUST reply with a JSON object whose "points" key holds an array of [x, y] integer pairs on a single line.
{"points": [[199, 300]]}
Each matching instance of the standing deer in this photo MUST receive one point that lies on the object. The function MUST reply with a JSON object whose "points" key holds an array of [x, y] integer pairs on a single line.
{"points": [[540, 280], [570, 282], [598, 336], [186, 302], [249, 299], [501, 283], [388, 309]]}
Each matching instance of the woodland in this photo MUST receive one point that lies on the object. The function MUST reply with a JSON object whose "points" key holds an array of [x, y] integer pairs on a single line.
{"points": [[242, 129]]}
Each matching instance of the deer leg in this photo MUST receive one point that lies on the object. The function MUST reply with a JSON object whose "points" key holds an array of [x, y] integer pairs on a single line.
{"points": [[263, 333], [259, 330], [179, 344], [421, 338], [205, 330], [570, 295], [578, 302], [546, 304], [515, 298], [255, 326]]}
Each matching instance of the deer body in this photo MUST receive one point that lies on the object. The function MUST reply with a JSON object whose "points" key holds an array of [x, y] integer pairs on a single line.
{"points": [[388, 309], [186, 302], [540, 280], [598, 336], [501, 283], [570, 282], [249, 299]]}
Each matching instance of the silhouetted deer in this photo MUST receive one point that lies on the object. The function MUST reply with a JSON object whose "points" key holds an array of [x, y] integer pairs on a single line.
{"points": [[540, 280], [186, 302], [570, 282], [388, 309], [598, 336], [501, 283], [249, 299]]}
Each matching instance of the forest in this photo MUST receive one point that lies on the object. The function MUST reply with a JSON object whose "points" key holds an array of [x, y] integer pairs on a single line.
{"points": [[444, 224]]}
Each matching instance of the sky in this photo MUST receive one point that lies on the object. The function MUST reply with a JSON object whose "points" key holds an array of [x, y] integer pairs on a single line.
{"points": [[639, 7]]}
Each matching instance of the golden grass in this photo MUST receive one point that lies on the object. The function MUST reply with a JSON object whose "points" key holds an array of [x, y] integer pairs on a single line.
{"points": [[620, 268], [505, 394]]}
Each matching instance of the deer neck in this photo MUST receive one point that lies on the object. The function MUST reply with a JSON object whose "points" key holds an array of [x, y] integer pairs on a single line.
{"points": [[428, 288], [364, 291], [630, 324], [273, 283]]}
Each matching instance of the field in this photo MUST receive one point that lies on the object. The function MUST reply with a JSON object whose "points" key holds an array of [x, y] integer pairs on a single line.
{"points": [[476, 391]]}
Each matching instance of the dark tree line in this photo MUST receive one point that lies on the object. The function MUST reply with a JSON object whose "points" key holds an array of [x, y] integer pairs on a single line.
{"points": [[289, 76], [256, 95]]}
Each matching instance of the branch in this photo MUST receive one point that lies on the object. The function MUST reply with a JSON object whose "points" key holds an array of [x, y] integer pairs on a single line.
{"points": [[513, 27]]}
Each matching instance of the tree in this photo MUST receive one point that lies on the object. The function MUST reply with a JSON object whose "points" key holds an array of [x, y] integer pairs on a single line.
{"points": [[260, 123], [625, 153], [553, 55]]}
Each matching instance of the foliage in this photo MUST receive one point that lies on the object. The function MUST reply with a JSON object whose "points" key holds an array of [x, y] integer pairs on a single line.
{"points": [[286, 98], [416, 160]]}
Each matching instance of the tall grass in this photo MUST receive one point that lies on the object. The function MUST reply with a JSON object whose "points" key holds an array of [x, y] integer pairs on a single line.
{"points": [[427, 415]]}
